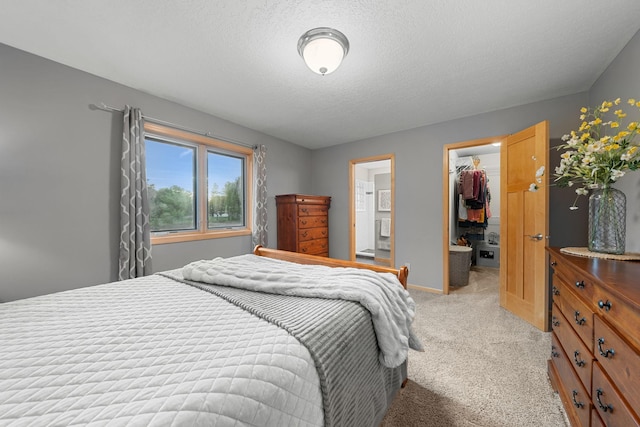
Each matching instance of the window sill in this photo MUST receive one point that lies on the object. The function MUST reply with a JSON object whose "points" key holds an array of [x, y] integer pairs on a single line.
{"points": [[189, 237]]}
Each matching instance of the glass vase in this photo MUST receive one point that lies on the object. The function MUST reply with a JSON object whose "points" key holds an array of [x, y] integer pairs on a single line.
{"points": [[607, 220]]}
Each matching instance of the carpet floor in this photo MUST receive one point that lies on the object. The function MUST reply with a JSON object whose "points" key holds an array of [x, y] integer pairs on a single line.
{"points": [[482, 366]]}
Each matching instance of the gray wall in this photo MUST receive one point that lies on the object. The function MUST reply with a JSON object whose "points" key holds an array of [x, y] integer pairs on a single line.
{"points": [[59, 182], [622, 80], [419, 162], [419, 172]]}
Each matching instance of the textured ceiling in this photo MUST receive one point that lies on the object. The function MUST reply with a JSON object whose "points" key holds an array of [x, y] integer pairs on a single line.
{"points": [[411, 62]]}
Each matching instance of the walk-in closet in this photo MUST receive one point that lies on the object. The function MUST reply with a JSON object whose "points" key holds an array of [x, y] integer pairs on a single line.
{"points": [[474, 182]]}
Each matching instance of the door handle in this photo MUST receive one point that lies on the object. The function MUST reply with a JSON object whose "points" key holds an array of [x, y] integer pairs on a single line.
{"points": [[535, 236]]}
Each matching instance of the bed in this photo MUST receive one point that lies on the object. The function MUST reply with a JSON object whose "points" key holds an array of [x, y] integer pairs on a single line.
{"points": [[271, 338]]}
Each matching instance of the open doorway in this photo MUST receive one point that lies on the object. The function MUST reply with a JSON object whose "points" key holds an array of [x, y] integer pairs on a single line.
{"points": [[371, 183], [472, 233], [524, 218]]}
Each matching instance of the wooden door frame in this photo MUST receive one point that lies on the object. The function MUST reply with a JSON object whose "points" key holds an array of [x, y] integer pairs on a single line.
{"points": [[446, 198], [352, 205]]}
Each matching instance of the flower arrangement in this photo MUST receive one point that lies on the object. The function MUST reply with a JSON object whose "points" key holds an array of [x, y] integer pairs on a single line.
{"points": [[599, 152]]}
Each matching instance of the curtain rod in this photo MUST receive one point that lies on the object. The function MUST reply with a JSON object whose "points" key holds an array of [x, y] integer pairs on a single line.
{"points": [[104, 107]]}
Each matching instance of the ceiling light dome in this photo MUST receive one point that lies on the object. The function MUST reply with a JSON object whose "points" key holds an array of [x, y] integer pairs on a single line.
{"points": [[323, 49]]}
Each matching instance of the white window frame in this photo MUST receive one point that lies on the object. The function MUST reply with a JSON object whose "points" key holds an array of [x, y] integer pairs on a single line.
{"points": [[204, 144]]}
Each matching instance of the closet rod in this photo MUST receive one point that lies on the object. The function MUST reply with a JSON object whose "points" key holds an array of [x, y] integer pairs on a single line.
{"points": [[104, 107]]}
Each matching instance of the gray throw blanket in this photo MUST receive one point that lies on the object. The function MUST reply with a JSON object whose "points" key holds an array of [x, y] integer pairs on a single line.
{"points": [[356, 388], [392, 309]]}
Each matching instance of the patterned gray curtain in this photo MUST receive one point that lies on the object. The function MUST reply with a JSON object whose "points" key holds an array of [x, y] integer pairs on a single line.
{"points": [[260, 196], [135, 231]]}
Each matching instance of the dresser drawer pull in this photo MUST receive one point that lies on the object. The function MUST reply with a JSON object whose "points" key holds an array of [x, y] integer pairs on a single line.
{"points": [[579, 322], [608, 353], [556, 291], [305, 210], [605, 408], [554, 353], [553, 263], [580, 284], [605, 305], [303, 222], [555, 321], [576, 403], [579, 363], [305, 234]]}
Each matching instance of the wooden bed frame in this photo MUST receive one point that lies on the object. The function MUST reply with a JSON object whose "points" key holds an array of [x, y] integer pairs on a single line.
{"points": [[401, 273]]}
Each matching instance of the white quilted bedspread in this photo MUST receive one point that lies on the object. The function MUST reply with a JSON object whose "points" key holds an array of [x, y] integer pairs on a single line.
{"points": [[150, 352]]}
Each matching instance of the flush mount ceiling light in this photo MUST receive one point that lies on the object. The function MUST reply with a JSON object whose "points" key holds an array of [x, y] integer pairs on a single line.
{"points": [[323, 49]]}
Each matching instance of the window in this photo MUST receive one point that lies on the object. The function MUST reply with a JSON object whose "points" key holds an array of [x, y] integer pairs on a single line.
{"points": [[198, 186]]}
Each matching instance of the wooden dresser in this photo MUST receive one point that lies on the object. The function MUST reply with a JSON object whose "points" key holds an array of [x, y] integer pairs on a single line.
{"points": [[303, 223], [595, 353]]}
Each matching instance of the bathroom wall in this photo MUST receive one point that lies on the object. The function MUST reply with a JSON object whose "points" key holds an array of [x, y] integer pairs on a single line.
{"points": [[382, 182]]}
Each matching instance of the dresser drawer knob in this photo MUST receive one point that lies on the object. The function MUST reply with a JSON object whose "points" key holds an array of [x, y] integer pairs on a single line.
{"points": [[576, 403], [554, 353], [580, 284], [556, 291], [605, 408], [555, 321], [605, 353], [579, 363], [305, 234], [605, 305], [579, 322], [553, 263]]}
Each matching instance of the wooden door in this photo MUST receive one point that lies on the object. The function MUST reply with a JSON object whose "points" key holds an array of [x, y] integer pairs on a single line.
{"points": [[524, 226]]}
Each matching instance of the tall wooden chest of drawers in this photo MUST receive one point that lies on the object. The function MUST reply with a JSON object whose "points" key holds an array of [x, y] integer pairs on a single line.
{"points": [[303, 223], [595, 354]]}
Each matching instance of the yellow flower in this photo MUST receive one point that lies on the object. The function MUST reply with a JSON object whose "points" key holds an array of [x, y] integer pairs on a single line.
{"points": [[589, 157], [621, 135]]}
